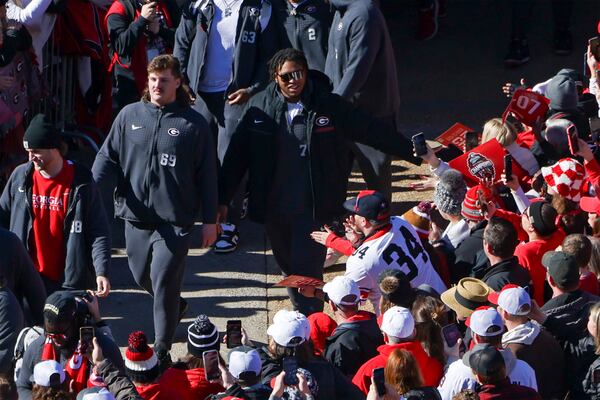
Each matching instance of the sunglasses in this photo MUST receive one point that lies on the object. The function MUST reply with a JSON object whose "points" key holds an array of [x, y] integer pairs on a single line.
{"points": [[295, 75]]}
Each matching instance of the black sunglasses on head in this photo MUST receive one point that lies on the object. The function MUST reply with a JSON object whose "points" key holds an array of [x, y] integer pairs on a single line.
{"points": [[295, 75]]}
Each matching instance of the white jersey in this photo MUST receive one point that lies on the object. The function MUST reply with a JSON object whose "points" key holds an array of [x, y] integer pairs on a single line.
{"points": [[398, 248]]}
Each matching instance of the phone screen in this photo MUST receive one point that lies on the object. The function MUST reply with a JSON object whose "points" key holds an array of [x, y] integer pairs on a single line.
{"points": [[211, 365], [419, 144], [471, 140], [595, 128], [290, 367], [379, 380], [234, 333], [508, 166], [86, 337], [482, 202], [572, 136], [451, 334]]}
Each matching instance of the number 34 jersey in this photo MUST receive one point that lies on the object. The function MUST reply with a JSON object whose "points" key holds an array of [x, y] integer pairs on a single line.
{"points": [[396, 246]]}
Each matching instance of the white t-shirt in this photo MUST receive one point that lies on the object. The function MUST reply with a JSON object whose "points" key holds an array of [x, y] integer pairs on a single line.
{"points": [[218, 63], [460, 377], [398, 248]]}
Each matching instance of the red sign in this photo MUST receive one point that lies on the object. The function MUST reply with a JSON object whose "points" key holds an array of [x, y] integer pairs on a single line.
{"points": [[484, 162], [528, 107], [296, 281], [455, 135]]}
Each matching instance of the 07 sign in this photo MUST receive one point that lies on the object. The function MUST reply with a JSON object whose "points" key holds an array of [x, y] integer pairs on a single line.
{"points": [[528, 107]]}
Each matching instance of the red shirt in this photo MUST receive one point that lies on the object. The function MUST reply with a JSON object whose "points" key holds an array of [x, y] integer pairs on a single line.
{"points": [[588, 282], [190, 384], [530, 256], [49, 200], [156, 391]]}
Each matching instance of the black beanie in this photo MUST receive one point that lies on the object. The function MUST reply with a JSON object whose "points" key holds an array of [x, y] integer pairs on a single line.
{"points": [[202, 336], [41, 134]]}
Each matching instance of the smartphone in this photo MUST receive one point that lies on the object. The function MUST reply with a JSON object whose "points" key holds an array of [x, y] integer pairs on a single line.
{"points": [[211, 365], [86, 338], [451, 334], [482, 203], [471, 140], [290, 367], [419, 144], [379, 380], [508, 166], [595, 129], [234, 333], [595, 47], [572, 136]]}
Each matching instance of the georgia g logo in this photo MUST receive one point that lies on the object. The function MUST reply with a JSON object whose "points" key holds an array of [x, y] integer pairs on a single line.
{"points": [[322, 121], [173, 131]]}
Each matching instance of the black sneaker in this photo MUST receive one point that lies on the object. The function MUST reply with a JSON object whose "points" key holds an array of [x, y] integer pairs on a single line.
{"points": [[227, 240], [563, 42], [518, 53], [164, 358]]}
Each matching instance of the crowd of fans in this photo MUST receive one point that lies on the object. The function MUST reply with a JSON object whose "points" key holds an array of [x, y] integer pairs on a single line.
{"points": [[489, 290]]}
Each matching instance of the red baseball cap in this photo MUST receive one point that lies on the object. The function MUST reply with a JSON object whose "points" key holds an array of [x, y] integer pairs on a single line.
{"points": [[590, 204]]}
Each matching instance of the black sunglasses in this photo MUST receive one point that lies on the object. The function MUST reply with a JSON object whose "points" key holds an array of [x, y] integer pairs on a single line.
{"points": [[295, 75]]}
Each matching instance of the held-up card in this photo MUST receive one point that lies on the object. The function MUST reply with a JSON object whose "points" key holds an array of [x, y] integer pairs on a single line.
{"points": [[296, 281], [528, 107], [484, 162]]}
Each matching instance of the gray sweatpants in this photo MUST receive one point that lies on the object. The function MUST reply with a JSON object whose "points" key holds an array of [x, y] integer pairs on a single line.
{"points": [[156, 258]]}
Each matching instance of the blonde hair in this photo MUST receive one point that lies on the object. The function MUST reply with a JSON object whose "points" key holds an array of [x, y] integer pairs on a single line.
{"points": [[595, 316], [504, 132]]}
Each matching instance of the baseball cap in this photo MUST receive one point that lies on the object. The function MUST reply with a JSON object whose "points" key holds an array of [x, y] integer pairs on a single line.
{"points": [[369, 204], [398, 322], [48, 373], [341, 287], [289, 328], [95, 393], [590, 204], [244, 359], [486, 321], [484, 359], [513, 299], [562, 267], [543, 227], [60, 306]]}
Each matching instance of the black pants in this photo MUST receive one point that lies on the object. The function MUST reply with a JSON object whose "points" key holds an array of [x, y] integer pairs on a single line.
{"points": [[223, 119], [522, 11], [376, 167], [297, 254], [156, 258], [127, 92]]}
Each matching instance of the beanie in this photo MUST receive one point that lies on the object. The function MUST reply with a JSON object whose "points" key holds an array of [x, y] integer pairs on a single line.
{"points": [[450, 192], [418, 217], [470, 208], [41, 134], [202, 336], [562, 92], [141, 364]]}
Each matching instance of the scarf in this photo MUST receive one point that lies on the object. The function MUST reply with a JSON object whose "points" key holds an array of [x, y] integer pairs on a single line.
{"points": [[76, 368]]}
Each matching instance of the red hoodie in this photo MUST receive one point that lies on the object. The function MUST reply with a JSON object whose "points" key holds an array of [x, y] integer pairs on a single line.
{"points": [[189, 384], [156, 391], [431, 369]]}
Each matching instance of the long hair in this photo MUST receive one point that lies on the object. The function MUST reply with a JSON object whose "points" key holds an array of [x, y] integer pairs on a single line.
{"points": [[572, 219], [47, 393], [168, 62], [402, 371], [595, 318], [430, 315]]}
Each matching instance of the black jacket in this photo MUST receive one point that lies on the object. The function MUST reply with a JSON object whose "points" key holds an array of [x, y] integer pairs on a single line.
{"points": [[333, 385], [21, 276], [360, 58], [256, 392], [11, 323], [591, 383], [306, 28], [505, 272], [330, 122], [567, 322], [352, 344], [165, 164], [86, 227], [470, 259], [254, 47], [423, 393]]}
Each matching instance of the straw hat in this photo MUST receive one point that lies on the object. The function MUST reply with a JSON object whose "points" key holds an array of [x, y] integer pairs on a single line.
{"points": [[465, 297]]}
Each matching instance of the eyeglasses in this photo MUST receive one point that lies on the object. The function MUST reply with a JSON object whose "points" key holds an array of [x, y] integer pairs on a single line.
{"points": [[288, 76]]}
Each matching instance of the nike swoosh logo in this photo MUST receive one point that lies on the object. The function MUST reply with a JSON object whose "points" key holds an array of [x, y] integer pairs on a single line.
{"points": [[135, 127], [258, 121], [21, 190]]}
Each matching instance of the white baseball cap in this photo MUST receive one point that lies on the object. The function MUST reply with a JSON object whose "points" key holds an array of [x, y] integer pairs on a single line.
{"points": [[485, 321], [48, 373], [513, 299], [398, 322], [340, 287], [244, 359], [96, 394], [288, 325]]}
